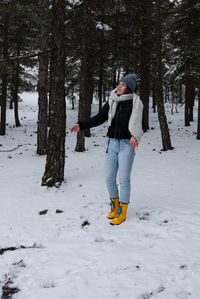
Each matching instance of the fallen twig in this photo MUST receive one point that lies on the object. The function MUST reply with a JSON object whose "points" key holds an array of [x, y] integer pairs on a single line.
{"points": [[3, 250], [11, 149], [8, 290]]}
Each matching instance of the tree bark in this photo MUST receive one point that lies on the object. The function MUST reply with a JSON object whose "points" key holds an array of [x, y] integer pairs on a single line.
{"points": [[101, 70], [87, 89], [11, 103], [4, 75], [159, 90], [15, 81], [100, 90], [188, 92], [86, 73], [191, 101], [154, 95], [89, 98], [146, 42], [115, 51], [127, 53], [198, 122], [180, 93], [54, 170], [43, 79]]}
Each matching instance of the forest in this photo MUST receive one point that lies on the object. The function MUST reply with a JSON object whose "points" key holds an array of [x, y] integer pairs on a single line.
{"points": [[67, 48], [59, 62]]}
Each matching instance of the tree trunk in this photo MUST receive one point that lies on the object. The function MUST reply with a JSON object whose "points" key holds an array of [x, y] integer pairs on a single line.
{"points": [[100, 90], [115, 52], [15, 78], [86, 74], [198, 124], [16, 86], [127, 53], [159, 91], [188, 92], [54, 171], [11, 103], [104, 92], [89, 98], [192, 97], [43, 79], [72, 97], [136, 5], [153, 82], [167, 91], [87, 89], [50, 86], [146, 43], [172, 101], [154, 95], [4, 75], [180, 93], [101, 71]]}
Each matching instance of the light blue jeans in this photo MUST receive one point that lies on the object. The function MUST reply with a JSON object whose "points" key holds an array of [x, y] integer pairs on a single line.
{"points": [[119, 158]]}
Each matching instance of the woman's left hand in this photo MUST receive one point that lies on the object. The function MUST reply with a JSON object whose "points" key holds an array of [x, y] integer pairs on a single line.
{"points": [[133, 142]]}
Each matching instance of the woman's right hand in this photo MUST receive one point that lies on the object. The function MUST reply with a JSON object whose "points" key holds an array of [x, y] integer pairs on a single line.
{"points": [[75, 128]]}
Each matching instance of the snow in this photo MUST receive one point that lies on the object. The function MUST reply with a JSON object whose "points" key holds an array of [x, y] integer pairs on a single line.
{"points": [[74, 2], [103, 26], [155, 253]]}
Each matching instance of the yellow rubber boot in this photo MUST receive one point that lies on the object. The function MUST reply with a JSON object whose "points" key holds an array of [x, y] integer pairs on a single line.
{"points": [[114, 208], [121, 216]]}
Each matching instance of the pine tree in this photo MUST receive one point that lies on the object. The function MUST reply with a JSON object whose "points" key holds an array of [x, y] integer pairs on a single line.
{"points": [[4, 73], [185, 35], [146, 44], [158, 86], [55, 161], [43, 78], [86, 72], [198, 119], [18, 41]]}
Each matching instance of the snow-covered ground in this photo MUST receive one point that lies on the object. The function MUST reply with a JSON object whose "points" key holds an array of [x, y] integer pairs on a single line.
{"points": [[77, 254]]}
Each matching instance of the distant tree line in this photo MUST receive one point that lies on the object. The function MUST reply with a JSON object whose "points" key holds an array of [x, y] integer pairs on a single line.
{"points": [[84, 47]]}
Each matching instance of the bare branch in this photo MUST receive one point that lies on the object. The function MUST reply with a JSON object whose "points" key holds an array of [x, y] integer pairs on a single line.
{"points": [[26, 56], [11, 149]]}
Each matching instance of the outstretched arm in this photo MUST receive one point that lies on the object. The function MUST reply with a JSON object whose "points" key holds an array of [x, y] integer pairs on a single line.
{"points": [[94, 121]]}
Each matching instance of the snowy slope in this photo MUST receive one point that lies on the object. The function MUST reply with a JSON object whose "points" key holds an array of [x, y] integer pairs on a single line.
{"points": [[155, 253]]}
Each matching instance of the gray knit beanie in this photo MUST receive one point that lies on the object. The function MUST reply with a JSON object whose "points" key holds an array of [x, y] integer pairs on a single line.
{"points": [[130, 80]]}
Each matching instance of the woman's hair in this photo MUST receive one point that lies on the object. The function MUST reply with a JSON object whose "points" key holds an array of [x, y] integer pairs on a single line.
{"points": [[128, 90]]}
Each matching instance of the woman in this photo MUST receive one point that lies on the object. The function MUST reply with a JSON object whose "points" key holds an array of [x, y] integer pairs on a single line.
{"points": [[123, 111]]}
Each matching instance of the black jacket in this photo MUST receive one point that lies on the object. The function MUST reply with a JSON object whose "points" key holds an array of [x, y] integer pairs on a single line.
{"points": [[119, 125]]}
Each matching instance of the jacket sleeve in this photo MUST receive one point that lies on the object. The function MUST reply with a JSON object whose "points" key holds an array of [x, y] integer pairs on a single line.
{"points": [[96, 120]]}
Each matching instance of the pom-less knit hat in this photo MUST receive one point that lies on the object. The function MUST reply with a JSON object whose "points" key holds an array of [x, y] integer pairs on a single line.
{"points": [[130, 80]]}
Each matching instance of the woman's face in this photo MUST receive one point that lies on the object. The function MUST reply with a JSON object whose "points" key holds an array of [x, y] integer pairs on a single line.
{"points": [[122, 88]]}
